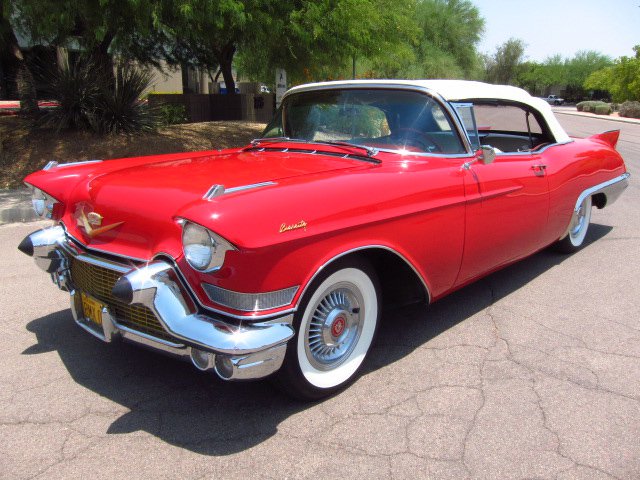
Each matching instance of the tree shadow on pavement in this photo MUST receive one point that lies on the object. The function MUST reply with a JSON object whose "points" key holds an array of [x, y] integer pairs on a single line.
{"points": [[195, 410]]}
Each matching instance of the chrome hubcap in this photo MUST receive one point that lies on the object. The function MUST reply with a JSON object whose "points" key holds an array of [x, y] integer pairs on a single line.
{"points": [[578, 222], [335, 326]]}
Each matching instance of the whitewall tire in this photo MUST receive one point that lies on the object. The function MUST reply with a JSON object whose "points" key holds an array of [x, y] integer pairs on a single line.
{"points": [[577, 229], [335, 327]]}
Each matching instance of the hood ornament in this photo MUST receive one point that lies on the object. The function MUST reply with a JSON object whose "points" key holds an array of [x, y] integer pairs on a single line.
{"points": [[92, 222]]}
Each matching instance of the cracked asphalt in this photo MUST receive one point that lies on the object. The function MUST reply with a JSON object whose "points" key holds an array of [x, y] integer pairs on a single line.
{"points": [[530, 373]]}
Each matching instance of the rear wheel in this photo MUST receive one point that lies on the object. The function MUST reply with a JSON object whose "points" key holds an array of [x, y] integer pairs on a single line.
{"points": [[335, 327], [577, 230]]}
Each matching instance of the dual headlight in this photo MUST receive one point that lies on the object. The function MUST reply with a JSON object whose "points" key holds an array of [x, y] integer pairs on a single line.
{"points": [[44, 204], [203, 249]]}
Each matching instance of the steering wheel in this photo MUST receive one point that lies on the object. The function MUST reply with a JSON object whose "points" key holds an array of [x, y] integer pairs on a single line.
{"points": [[420, 139]]}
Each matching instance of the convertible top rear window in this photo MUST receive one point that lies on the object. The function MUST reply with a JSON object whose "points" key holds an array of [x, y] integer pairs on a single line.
{"points": [[398, 120], [505, 118]]}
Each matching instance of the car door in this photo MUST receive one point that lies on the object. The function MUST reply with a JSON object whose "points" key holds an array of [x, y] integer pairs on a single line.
{"points": [[507, 208]]}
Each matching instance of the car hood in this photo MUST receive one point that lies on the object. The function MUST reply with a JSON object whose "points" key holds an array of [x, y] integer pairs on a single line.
{"points": [[141, 199]]}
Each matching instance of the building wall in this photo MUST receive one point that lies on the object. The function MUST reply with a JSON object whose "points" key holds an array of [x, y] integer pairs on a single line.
{"points": [[166, 79]]}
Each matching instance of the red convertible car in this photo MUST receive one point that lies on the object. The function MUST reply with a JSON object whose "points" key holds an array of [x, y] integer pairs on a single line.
{"points": [[274, 259]]}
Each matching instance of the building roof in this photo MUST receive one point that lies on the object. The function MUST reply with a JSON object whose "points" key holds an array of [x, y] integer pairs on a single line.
{"points": [[457, 90]]}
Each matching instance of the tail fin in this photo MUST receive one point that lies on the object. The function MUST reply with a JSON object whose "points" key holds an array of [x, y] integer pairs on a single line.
{"points": [[610, 137]]}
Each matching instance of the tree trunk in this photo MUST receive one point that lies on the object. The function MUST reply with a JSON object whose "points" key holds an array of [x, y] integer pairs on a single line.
{"points": [[102, 59], [3, 81], [225, 59], [24, 80]]}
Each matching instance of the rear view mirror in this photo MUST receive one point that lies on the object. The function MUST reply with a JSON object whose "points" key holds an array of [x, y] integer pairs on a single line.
{"points": [[486, 154]]}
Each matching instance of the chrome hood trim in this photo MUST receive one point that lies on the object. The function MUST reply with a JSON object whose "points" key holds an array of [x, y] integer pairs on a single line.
{"points": [[219, 190]]}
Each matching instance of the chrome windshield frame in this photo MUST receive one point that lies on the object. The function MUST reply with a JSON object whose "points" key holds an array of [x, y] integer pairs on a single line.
{"points": [[393, 86]]}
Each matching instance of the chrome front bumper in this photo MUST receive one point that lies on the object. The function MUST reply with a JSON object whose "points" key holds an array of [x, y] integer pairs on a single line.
{"points": [[235, 351]]}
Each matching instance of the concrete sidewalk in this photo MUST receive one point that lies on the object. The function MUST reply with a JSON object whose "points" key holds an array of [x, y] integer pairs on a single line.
{"points": [[15, 206], [574, 112]]}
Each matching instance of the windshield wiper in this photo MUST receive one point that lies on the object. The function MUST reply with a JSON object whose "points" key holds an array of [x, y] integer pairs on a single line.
{"points": [[371, 151]]}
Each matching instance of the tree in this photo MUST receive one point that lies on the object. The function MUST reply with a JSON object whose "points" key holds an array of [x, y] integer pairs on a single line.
{"points": [[506, 64], [449, 33], [389, 39], [100, 28], [319, 40], [11, 56], [622, 79], [578, 69]]}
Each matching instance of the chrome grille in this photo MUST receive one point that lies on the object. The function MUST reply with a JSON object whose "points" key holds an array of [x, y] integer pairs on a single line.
{"points": [[98, 282]]}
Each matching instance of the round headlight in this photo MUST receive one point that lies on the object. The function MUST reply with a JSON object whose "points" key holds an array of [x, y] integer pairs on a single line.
{"points": [[204, 250], [38, 201], [198, 245], [43, 204]]}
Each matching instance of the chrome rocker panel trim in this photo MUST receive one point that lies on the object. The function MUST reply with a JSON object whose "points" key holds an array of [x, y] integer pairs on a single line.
{"points": [[612, 189], [252, 350]]}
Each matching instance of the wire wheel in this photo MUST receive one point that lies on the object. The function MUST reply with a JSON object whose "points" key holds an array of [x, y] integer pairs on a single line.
{"points": [[335, 326]]}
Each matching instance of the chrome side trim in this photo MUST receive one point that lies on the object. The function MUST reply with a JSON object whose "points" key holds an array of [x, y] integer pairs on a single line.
{"points": [[250, 302], [534, 152], [365, 247]]}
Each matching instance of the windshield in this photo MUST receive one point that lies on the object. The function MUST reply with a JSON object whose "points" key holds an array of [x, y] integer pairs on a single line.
{"points": [[398, 120]]}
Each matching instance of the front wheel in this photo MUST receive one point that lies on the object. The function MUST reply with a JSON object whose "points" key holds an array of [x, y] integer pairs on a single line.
{"points": [[577, 230], [335, 327]]}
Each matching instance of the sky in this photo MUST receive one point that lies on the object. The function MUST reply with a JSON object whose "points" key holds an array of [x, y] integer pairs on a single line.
{"points": [[548, 27]]}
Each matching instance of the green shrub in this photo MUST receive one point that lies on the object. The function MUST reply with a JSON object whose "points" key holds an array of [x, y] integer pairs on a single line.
{"points": [[172, 114], [590, 106], [630, 109], [602, 109]]}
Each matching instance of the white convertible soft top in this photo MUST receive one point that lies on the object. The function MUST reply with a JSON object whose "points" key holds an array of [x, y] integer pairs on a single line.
{"points": [[455, 91]]}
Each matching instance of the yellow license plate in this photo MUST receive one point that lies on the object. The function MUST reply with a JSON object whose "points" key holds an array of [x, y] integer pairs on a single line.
{"points": [[92, 309]]}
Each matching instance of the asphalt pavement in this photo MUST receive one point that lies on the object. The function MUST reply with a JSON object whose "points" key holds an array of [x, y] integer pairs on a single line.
{"points": [[532, 372]]}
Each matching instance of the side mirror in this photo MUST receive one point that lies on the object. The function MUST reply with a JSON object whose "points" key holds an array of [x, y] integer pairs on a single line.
{"points": [[486, 154]]}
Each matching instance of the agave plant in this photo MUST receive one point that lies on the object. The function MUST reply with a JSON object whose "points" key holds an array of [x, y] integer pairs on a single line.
{"points": [[75, 88], [119, 107], [93, 99]]}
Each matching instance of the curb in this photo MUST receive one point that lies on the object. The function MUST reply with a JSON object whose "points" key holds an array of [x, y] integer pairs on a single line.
{"points": [[632, 121]]}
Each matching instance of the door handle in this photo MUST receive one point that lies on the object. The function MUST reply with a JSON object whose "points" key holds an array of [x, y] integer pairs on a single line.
{"points": [[539, 169]]}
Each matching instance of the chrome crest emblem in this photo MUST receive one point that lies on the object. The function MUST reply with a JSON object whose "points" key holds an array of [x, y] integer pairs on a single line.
{"points": [[91, 222]]}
